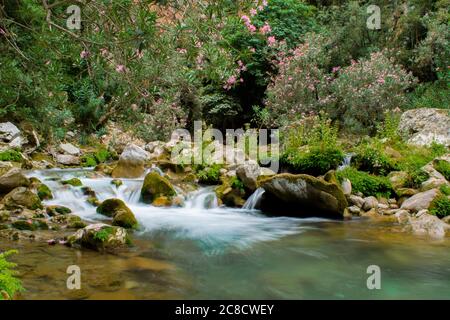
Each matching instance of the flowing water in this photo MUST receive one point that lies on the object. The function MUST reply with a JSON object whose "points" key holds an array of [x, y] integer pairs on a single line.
{"points": [[209, 252]]}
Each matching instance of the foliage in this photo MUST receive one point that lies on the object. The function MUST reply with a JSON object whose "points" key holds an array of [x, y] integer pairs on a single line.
{"points": [[415, 178], [443, 167], [236, 183], [209, 175], [310, 146], [371, 157], [11, 155], [440, 206], [445, 189], [8, 282], [367, 184], [103, 234]]}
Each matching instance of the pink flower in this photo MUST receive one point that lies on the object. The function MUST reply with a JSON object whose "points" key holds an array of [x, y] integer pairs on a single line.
{"points": [[336, 69], [246, 19], [104, 52], [380, 80], [84, 54], [120, 68], [271, 40], [2, 32], [265, 29], [252, 50], [253, 12], [251, 28], [182, 50]]}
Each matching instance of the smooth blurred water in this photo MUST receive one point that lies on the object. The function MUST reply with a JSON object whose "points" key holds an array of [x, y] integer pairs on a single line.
{"points": [[202, 251]]}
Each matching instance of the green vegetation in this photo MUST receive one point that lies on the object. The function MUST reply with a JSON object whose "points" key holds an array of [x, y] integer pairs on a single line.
{"points": [[11, 155], [209, 175], [367, 184], [440, 206], [445, 189], [103, 234], [75, 182], [9, 284], [444, 168]]}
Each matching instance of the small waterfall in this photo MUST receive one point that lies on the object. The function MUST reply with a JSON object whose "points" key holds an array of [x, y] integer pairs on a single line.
{"points": [[203, 199], [254, 199], [347, 161]]}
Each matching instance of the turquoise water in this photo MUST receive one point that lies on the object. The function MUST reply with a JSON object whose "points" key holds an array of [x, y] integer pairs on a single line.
{"points": [[218, 253]]}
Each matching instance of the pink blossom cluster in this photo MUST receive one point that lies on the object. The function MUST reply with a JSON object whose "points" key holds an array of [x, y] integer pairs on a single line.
{"points": [[84, 54]]}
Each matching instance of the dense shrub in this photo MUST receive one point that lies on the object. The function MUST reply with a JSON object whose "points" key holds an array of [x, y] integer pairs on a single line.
{"points": [[440, 206], [367, 184], [444, 168], [370, 156], [310, 146], [9, 284], [209, 175], [10, 155]]}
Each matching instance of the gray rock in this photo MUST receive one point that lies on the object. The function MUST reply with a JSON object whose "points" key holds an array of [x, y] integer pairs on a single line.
{"points": [[402, 216], [67, 160], [249, 173], [420, 201], [370, 203], [113, 238], [68, 148], [8, 131], [131, 162], [354, 210], [346, 186], [302, 195], [12, 179], [425, 125], [356, 200]]}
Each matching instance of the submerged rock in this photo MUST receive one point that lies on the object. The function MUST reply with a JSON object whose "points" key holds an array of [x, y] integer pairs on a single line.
{"points": [[12, 179], [131, 162], [75, 182], [302, 195], [118, 210], [156, 186], [100, 237]]}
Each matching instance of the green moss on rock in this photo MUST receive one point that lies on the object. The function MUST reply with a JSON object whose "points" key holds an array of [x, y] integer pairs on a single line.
{"points": [[156, 186], [118, 210], [75, 182]]}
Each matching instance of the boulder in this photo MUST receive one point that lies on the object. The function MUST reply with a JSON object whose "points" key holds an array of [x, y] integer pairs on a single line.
{"points": [[55, 210], [68, 148], [131, 162], [74, 182], [100, 237], [249, 173], [435, 180], [346, 186], [302, 196], [8, 131], [12, 179], [356, 200], [425, 125], [354, 210], [67, 159], [370, 203], [420, 201], [402, 216], [156, 186], [429, 225], [42, 190], [22, 197], [118, 210], [398, 179]]}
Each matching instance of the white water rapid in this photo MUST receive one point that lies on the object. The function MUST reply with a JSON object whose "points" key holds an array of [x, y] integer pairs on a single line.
{"points": [[200, 218]]}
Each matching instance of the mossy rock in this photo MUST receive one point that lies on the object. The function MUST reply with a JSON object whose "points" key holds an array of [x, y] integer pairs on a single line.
{"points": [[44, 192], [156, 186], [93, 201], [75, 222], [118, 210], [100, 237], [75, 182], [57, 210], [24, 225], [229, 196], [330, 177], [22, 197], [302, 196], [4, 215], [116, 182]]}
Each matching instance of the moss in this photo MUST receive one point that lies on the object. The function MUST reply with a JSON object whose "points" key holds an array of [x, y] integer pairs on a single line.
{"points": [[102, 155], [24, 225], [93, 201], [440, 206], [367, 184], [44, 192], [156, 186], [162, 202], [88, 160], [11, 155], [75, 182], [57, 210], [117, 182], [125, 219], [109, 207]]}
